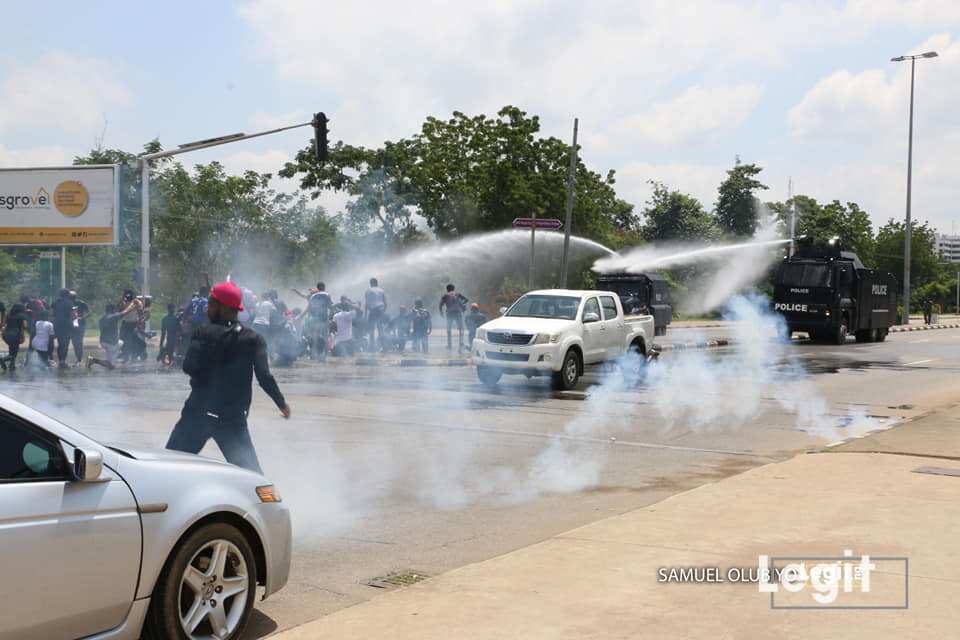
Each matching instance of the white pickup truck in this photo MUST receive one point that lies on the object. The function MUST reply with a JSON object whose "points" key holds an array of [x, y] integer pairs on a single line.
{"points": [[558, 332]]}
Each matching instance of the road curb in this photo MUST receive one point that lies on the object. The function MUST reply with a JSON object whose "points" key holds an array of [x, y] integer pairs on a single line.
{"points": [[923, 327]]}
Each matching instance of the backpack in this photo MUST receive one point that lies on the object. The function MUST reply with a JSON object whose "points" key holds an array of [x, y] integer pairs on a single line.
{"points": [[456, 302], [421, 320], [197, 311], [319, 305]]}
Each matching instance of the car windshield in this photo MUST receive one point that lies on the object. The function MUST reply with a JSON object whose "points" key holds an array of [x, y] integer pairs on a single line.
{"points": [[805, 274], [539, 306]]}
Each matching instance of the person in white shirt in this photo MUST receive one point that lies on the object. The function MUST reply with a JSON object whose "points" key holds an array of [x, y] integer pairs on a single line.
{"points": [[265, 318], [343, 319], [43, 338]]}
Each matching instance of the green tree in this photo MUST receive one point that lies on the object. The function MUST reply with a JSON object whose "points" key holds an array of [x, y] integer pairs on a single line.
{"points": [[211, 222], [674, 216], [468, 174], [925, 265], [736, 211], [848, 222]]}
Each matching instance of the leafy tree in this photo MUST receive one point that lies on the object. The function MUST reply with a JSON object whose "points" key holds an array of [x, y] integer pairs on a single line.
{"points": [[736, 209], [674, 216], [925, 265], [234, 225], [848, 222], [467, 174]]}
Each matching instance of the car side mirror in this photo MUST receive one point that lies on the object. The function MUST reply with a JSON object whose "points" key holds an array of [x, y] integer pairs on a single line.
{"points": [[87, 465], [591, 317], [503, 310]]}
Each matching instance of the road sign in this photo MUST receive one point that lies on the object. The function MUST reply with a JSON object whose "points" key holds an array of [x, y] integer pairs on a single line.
{"points": [[49, 255], [541, 223]]}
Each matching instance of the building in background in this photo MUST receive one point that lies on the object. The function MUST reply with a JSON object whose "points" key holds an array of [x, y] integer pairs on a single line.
{"points": [[948, 246]]}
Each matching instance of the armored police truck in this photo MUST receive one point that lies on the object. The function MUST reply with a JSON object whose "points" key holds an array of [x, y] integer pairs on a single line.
{"points": [[827, 293], [641, 294]]}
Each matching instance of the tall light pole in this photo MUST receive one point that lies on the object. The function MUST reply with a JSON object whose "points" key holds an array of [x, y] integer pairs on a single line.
{"points": [[906, 233], [319, 124]]}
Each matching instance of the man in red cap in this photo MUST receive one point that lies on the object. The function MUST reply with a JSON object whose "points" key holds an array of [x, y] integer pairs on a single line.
{"points": [[221, 361]]}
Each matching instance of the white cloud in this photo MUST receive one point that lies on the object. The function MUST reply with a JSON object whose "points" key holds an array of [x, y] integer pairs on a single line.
{"points": [[698, 180], [846, 104], [59, 91], [650, 81], [263, 121], [697, 110], [54, 156], [864, 117]]}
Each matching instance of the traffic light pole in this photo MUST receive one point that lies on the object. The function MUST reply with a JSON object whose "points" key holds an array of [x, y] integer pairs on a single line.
{"points": [[319, 123]]}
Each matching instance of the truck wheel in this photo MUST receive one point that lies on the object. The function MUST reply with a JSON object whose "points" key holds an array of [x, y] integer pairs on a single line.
{"points": [[840, 333], [633, 365], [566, 379], [489, 376], [882, 334], [660, 331]]}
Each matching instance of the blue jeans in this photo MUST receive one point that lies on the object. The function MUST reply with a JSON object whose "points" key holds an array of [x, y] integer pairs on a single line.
{"points": [[454, 319]]}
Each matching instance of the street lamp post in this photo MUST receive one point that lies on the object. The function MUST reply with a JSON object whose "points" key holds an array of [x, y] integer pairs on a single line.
{"points": [[906, 233], [319, 123]]}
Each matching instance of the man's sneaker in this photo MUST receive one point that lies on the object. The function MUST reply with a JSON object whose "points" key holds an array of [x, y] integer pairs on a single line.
{"points": [[89, 362]]}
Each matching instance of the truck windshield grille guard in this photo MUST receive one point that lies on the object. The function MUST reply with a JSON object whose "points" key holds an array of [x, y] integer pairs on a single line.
{"points": [[504, 337]]}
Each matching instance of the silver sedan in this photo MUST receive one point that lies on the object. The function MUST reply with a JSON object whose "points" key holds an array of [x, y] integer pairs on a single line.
{"points": [[102, 542]]}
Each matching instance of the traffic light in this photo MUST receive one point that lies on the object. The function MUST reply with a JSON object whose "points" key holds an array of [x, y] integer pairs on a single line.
{"points": [[320, 137]]}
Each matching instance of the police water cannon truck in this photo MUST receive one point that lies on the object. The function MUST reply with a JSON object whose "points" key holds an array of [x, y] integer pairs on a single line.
{"points": [[641, 294], [828, 294]]}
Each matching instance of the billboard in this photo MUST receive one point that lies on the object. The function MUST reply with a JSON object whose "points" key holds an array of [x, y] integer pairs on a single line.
{"points": [[59, 206]]}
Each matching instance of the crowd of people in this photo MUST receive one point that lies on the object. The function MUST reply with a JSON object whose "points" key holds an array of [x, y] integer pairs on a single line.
{"points": [[49, 328]]}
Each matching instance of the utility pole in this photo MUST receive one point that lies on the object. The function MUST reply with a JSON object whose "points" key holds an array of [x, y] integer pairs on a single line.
{"points": [[571, 180], [907, 228], [533, 247], [63, 267]]}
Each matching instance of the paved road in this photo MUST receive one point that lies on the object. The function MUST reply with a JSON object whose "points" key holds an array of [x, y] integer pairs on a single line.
{"points": [[391, 469]]}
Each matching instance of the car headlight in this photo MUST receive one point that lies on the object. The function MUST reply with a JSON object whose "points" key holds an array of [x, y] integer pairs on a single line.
{"points": [[547, 338], [268, 493], [482, 334]]}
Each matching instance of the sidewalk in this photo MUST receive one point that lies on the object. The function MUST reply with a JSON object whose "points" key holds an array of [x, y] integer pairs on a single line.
{"points": [[600, 581]]}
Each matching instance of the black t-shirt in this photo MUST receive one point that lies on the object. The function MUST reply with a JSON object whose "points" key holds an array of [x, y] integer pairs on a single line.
{"points": [[110, 328], [62, 315], [170, 326], [82, 309], [13, 331]]}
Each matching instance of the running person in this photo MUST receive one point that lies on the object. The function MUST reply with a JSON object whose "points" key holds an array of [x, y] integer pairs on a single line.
{"points": [[222, 359]]}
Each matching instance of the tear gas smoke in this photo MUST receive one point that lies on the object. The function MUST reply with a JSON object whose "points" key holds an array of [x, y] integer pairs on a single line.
{"points": [[338, 470]]}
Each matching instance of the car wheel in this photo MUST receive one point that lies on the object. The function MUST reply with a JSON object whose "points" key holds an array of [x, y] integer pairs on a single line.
{"points": [[489, 376], [206, 589], [566, 379]]}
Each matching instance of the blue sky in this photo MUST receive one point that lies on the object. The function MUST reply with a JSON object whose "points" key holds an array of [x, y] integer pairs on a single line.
{"points": [[670, 91]]}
